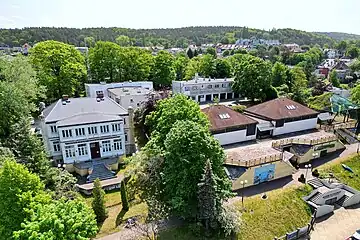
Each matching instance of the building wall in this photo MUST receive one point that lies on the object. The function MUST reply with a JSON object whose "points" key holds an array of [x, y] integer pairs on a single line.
{"points": [[234, 137], [127, 101], [296, 126], [314, 152], [282, 169]]}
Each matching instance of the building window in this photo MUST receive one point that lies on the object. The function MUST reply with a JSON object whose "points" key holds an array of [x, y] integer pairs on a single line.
{"points": [[194, 88], [116, 127], [92, 130], [187, 89], [104, 129], [56, 146], [69, 151], [117, 144], [53, 129], [250, 130], [106, 146], [209, 86], [82, 149], [67, 133], [131, 100], [124, 121], [80, 132], [217, 85], [224, 85], [280, 123], [126, 137]]}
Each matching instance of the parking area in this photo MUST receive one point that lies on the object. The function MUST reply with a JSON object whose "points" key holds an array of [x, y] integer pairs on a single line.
{"points": [[338, 226]]}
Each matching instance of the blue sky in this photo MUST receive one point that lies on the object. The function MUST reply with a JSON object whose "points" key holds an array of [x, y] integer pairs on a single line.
{"points": [[309, 15]]}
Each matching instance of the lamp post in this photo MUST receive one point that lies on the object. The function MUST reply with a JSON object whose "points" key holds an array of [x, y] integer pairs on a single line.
{"points": [[243, 183], [308, 166]]}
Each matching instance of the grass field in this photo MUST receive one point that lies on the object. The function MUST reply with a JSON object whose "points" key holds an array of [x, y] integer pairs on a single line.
{"points": [[113, 206], [344, 176], [282, 212]]}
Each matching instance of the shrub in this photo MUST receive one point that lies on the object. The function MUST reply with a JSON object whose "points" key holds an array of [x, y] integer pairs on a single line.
{"points": [[239, 108], [229, 219], [98, 204]]}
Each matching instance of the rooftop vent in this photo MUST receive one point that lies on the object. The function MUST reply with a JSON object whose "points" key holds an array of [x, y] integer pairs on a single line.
{"points": [[224, 116], [102, 83], [63, 102], [98, 99], [65, 98]]}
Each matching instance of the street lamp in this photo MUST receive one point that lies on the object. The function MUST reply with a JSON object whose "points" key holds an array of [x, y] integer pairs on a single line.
{"points": [[243, 183], [308, 166]]}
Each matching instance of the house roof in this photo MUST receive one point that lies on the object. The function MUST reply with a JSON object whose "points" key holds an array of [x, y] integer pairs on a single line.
{"points": [[131, 91], [80, 106], [279, 108], [86, 118], [222, 117]]}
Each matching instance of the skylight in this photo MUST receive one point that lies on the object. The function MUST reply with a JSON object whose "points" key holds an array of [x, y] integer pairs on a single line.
{"points": [[224, 116], [290, 107]]}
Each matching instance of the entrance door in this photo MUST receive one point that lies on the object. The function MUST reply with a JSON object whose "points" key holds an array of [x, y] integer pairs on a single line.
{"points": [[323, 153], [95, 150]]}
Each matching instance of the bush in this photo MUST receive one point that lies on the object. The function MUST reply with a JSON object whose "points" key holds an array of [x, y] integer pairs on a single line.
{"points": [[316, 173], [301, 178], [239, 108], [229, 220], [98, 203]]}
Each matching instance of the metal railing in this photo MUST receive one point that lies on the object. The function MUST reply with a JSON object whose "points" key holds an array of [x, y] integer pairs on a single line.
{"points": [[255, 161], [287, 141]]}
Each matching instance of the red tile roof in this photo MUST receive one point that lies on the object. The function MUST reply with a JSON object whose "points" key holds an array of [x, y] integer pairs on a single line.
{"points": [[280, 108], [222, 117]]}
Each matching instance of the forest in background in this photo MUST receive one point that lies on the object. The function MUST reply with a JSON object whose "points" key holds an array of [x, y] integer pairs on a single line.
{"points": [[169, 37]]}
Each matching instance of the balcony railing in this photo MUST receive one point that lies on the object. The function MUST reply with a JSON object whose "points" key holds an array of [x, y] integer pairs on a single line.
{"points": [[255, 161]]}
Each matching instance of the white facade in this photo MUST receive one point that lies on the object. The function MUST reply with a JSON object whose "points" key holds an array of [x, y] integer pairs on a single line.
{"points": [[296, 126], [92, 90], [205, 89], [129, 97], [234, 137]]}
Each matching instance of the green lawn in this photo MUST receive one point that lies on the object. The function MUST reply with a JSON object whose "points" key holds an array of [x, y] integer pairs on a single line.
{"points": [[113, 206], [344, 176], [282, 212]]}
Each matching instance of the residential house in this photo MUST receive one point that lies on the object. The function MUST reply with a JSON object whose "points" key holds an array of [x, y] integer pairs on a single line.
{"points": [[331, 53], [293, 47], [100, 89], [282, 116], [205, 89], [342, 68], [80, 132], [229, 126], [129, 96]]}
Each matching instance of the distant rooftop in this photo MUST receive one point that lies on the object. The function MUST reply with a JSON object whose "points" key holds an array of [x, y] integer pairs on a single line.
{"points": [[207, 80], [79, 106], [129, 91]]}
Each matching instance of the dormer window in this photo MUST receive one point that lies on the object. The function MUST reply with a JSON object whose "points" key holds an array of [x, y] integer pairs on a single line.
{"points": [[224, 116]]}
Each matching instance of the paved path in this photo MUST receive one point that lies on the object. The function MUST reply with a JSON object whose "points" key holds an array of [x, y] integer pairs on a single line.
{"points": [[342, 224]]}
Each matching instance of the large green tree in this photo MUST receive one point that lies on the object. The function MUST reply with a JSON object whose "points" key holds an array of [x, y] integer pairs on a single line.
{"points": [[170, 110], [355, 94], [123, 41], [222, 68], [104, 61], [18, 188], [98, 203], [180, 63], [252, 77], [60, 67], [163, 72], [188, 146], [207, 66], [298, 85], [333, 77], [192, 68], [278, 74], [59, 220]]}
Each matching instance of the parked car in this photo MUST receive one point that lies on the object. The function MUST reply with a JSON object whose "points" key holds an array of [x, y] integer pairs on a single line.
{"points": [[355, 236]]}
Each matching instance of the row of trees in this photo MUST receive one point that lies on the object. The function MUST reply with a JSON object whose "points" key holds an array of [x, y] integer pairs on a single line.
{"points": [[170, 37]]}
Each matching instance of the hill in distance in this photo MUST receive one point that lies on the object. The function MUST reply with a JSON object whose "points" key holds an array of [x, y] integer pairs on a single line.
{"points": [[339, 36]]}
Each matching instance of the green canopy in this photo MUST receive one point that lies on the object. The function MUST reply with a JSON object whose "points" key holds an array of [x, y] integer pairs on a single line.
{"points": [[340, 104]]}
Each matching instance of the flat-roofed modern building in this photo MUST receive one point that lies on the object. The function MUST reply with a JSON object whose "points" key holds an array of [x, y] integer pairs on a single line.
{"points": [[206, 89], [129, 96], [229, 126], [100, 89]]}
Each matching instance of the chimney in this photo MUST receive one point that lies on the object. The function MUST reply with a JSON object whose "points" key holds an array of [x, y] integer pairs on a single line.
{"points": [[65, 98]]}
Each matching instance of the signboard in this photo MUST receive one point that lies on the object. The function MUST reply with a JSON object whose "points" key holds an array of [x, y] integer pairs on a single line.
{"points": [[265, 173]]}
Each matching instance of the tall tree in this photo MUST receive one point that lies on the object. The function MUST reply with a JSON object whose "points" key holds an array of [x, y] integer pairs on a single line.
{"points": [[163, 72], [192, 68], [188, 146], [207, 66], [222, 68], [59, 220], [123, 41], [180, 64], [89, 42], [60, 67], [104, 61], [353, 52], [211, 51], [334, 78], [18, 187], [124, 199], [98, 203], [278, 74], [298, 84], [170, 110], [252, 77], [208, 202]]}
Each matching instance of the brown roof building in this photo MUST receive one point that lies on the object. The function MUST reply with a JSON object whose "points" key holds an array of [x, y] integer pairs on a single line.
{"points": [[286, 116], [229, 126]]}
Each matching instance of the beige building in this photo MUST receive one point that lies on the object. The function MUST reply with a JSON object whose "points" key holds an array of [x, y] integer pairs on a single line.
{"points": [[129, 96], [256, 163], [310, 146]]}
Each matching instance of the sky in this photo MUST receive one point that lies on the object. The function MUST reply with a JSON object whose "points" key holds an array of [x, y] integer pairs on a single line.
{"points": [[308, 15]]}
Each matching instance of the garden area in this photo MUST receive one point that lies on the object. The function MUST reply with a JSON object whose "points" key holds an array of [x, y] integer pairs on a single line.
{"points": [[337, 171], [283, 211]]}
